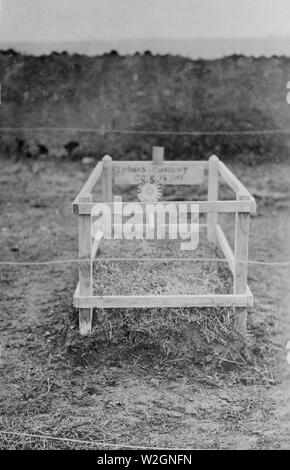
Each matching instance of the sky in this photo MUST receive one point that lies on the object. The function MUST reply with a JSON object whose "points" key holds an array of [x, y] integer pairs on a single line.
{"points": [[75, 20]]}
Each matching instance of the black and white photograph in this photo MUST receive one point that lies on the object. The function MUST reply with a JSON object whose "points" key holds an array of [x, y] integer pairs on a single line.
{"points": [[145, 228]]}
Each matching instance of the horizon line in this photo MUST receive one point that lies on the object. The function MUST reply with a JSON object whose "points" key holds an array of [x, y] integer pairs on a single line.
{"points": [[162, 38]]}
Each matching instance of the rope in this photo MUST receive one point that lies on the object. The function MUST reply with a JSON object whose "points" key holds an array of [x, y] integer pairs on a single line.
{"points": [[146, 132], [77, 261], [79, 441]]}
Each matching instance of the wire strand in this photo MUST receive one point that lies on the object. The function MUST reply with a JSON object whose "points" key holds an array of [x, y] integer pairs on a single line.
{"points": [[145, 132]]}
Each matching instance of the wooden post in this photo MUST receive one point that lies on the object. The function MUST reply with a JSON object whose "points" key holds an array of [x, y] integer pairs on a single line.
{"points": [[242, 227], [85, 268], [158, 155], [213, 183], [107, 179]]}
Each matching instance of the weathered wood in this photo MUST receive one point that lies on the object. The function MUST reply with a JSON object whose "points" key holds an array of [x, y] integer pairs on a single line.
{"points": [[85, 272], [123, 164], [225, 247], [204, 206], [96, 243], [242, 227], [158, 155], [90, 183], [76, 295], [177, 173], [250, 295], [213, 185], [164, 301], [107, 180]]}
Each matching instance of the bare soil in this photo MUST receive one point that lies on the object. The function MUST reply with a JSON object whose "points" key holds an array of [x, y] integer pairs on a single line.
{"points": [[180, 378]]}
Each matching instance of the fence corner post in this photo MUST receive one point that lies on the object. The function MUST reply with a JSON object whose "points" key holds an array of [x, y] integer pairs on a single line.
{"points": [[213, 185], [107, 181], [85, 268], [242, 228]]}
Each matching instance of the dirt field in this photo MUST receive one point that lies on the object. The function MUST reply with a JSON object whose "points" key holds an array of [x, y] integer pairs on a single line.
{"points": [[159, 379]]}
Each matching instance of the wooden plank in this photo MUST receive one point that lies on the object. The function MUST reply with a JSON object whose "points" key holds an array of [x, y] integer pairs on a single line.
{"points": [[204, 206], [213, 185], [121, 165], [76, 295], [225, 247], [76, 300], [158, 155], [177, 173], [85, 272], [84, 199], [96, 243], [242, 227], [163, 301], [107, 180], [90, 183], [250, 297]]}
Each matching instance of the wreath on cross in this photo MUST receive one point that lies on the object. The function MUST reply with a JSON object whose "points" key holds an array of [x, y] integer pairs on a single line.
{"points": [[149, 189]]}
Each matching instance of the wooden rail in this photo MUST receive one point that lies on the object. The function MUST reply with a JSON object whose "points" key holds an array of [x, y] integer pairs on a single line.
{"points": [[204, 206], [225, 247], [164, 301], [96, 244]]}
